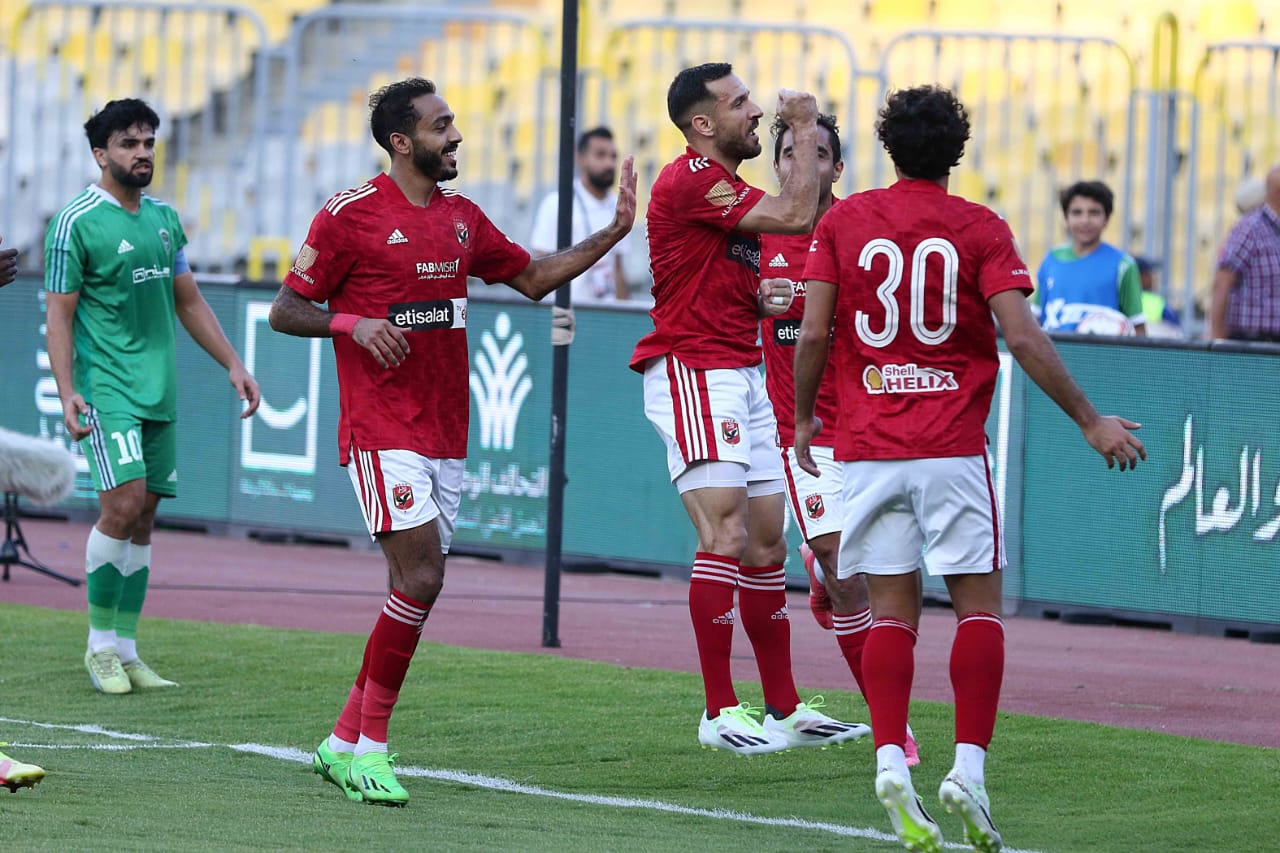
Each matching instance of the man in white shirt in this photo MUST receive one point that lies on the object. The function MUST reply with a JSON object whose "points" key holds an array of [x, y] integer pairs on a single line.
{"points": [[593, 205]]}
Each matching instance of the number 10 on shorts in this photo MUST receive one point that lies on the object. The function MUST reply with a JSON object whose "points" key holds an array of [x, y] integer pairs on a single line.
{"points": [[130, 446]]}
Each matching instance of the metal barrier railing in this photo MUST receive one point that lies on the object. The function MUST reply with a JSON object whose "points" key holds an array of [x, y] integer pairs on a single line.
{"points": [[1235, 97], [194, 63], [487, 65], [1045, 110], [639, 58], [247, 162]]}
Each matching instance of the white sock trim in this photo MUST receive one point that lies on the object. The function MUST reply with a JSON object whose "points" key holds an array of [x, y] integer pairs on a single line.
{"points": [[337, 744], [137, 558], [102, 549], [366, 745]]}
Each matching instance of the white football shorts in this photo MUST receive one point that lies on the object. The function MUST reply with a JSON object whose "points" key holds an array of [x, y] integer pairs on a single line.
{"points": [[815, 501], [902, 513], [712, 415], [400, 490]]}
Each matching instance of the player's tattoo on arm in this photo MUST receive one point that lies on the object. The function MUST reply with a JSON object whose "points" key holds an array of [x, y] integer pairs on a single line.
{"points": [[294, 314]]}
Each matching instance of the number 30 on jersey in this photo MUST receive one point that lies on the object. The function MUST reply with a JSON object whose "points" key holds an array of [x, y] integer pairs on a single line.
{"points": [[921, 291]]}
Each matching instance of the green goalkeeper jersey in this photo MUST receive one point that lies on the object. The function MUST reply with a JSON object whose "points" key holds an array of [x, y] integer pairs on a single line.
{"points": [[122, 264]]}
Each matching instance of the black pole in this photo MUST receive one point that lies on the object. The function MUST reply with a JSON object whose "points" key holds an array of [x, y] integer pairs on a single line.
{"points": [[560, 348]]}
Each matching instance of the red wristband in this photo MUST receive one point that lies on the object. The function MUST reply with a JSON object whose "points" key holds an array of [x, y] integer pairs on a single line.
{"points": [[343, 324]]}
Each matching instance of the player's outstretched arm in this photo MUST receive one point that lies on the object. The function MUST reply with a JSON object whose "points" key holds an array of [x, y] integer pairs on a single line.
{"points": [[203, 326], [794, 208], [294, 314], [60, 310], [1028, 343], [544, 274]]}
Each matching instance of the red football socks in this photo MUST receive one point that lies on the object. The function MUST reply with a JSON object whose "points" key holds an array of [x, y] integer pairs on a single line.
{"points": [[762, 601], [888, 666], [977, 671], [851, 633], [711, 610], [387, 656]]}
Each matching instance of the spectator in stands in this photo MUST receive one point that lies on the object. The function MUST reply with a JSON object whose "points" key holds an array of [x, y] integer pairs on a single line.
{"points": [[1246, 287], [1162, 321], [1086, 285], [594, 201]]}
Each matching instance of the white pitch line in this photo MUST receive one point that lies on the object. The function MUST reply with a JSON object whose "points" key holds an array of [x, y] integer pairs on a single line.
{"points": [[493, 783], [89, 729], [110, 747]]}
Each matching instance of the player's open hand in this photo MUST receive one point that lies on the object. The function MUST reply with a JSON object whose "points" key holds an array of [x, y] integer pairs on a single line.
{"points": [[246, 388], [72, 408], [776, 296], [795, 107], [385, 341], [624, 214], [1110, 436], [806, 429]]}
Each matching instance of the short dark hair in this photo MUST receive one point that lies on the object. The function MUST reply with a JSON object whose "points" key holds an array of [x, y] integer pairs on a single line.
{"points": [[824, 120], [1095, 190], [924, 129], [600, 132], [119, 116], [689, 90], [391, 109]]}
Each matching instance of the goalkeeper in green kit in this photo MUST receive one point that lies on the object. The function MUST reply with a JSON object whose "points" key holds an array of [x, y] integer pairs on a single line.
{"points": [[115, 276]]}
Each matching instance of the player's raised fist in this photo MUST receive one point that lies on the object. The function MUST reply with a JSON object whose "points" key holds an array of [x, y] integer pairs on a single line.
{"points": [[776, 295], [796, 107]]}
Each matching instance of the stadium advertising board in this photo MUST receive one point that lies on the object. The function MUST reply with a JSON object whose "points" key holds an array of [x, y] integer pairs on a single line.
{"points": [[1194, 532]]}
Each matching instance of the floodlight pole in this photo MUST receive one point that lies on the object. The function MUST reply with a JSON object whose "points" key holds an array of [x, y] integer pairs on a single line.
{"points": [[560, 347]]}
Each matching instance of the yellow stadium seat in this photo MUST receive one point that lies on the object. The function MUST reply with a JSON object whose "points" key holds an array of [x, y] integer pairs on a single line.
{"points": [[1228, 20]]}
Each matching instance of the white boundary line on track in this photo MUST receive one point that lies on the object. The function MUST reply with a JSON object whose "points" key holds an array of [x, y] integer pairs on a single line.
{"points": [[492, 783]]}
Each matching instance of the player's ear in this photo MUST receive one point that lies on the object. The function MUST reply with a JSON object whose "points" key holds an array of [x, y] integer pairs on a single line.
{"points": [[703, 125], [401, 143], [839, 170]]}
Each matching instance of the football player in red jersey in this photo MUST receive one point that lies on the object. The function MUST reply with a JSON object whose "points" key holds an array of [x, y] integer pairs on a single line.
{"points": [[704, 394], [838, 604], [910, 276], [391, 258]]}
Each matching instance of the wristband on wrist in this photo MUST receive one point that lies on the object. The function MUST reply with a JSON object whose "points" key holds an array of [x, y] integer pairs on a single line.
{"points": [[343, 324]]}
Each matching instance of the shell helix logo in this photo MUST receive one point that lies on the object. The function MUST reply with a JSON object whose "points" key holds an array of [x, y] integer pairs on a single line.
{"points": [[907, 379]]}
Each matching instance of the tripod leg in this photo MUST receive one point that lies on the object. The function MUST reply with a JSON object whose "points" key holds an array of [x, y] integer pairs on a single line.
{"points": [[36, 566]]}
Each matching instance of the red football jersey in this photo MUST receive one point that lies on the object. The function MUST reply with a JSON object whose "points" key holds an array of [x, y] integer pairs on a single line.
{"points": [[705, 271], [915, 342], [784, 256], [373, 253]]}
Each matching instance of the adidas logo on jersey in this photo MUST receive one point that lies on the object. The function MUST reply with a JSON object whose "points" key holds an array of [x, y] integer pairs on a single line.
{"points": [[778, 261], [782, 614], [396, 237], [726, 619], [125, 246]]}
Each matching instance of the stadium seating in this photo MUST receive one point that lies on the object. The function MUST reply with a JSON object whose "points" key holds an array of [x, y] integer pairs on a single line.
{"points": [[1044, 112]]}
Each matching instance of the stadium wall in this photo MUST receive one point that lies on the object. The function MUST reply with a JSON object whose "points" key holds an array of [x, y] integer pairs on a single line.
{"points": [[1191, 539]]}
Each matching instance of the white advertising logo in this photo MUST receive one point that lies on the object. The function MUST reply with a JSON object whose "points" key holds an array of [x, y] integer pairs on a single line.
{"points": [[275, 418], [499, 384]]}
